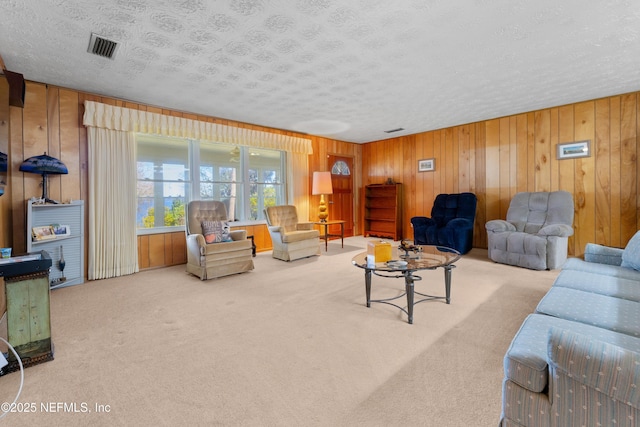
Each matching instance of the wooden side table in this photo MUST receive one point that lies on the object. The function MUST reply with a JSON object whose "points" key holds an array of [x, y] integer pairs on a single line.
{"points": [[253, 246], [326, 234]]}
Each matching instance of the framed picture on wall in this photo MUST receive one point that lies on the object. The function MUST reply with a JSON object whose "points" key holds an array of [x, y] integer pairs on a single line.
{"points": [[426, 165], [572, 150]]}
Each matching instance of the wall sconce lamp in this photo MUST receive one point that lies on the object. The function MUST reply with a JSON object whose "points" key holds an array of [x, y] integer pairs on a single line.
{"points": [[322, 186], [44, 165]]}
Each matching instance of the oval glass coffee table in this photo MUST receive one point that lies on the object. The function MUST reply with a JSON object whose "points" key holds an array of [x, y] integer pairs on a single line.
{"points": [[405, 263]]}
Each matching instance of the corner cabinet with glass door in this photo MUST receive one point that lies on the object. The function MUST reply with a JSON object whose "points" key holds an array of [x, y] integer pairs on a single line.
{"points": [[63, 241]]}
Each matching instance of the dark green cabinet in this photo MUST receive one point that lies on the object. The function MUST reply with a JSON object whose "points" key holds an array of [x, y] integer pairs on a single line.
{"points": [[26, 297]]}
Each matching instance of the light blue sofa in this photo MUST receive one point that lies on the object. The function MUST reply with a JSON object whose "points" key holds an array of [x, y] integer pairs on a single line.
{"points": [[576, 360]]}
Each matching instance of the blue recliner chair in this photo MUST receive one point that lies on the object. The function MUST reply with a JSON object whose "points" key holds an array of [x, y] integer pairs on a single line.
{"points": [[451, 222]]}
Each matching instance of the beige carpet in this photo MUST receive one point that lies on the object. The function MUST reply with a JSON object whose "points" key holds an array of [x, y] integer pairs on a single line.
{"points": [[288, 344]]}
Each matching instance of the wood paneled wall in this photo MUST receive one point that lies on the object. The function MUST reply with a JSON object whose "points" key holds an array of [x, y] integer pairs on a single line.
{"points": [[51, 121], [5, 200], [164, 249], [497, 158], [322, 149], [494, 159]]}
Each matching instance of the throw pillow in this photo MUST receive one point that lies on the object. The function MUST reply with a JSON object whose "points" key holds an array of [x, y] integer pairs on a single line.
{"points": [[631, 253], [216, 231]]}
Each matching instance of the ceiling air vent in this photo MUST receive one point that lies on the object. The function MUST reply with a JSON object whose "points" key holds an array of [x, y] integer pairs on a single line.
{"points": [[393, 130], [102, 47]]}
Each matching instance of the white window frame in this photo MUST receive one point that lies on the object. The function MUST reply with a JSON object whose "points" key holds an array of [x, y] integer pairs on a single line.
{"points": [[243, 206]]}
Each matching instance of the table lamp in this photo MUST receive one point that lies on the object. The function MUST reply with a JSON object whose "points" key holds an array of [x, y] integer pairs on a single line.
{"points": [[322, 186], [44, 165]]}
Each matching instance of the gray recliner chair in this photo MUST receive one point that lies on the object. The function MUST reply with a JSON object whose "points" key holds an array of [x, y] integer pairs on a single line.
{"points": [[536, 232]]}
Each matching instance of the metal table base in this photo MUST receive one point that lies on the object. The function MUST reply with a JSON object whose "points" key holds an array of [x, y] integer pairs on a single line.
{"points": [[410, 292]]}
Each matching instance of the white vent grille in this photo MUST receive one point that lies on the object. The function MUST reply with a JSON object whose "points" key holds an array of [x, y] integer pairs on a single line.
{"points": [[100, 46]]}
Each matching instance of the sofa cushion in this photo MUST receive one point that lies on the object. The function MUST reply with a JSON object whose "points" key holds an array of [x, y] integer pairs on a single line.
{"points": [[631, 253], [603, 269], [601, 254], [526, 360], [216, 231], [520, 249], [600, 284], [285, 216], [226, 249], [611, 313], [296, 236], [582, 361]]}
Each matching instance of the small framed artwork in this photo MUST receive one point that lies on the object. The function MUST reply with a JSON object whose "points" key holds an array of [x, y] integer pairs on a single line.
{"points": [[61, 230], [572, 150], [426, 165], [44, 232]]}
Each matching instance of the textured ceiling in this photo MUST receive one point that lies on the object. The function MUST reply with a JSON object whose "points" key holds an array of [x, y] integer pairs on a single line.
{"points": [[345, 69]]}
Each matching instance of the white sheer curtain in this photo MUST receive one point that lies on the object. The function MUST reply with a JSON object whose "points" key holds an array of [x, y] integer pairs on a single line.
{"points": [[297, 183], [113, 248], [113, 178]]}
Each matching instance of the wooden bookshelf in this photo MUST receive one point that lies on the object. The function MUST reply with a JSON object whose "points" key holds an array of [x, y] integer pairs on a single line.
{"points": [[383, 211]]}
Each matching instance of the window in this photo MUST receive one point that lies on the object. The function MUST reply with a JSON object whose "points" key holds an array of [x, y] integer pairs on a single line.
{"points": [[163, 182], [220, 176], [265, 181], [171, 170], [340, 168]]}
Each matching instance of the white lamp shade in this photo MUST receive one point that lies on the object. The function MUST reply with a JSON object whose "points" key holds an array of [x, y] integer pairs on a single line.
{"points": [[321, 183]]}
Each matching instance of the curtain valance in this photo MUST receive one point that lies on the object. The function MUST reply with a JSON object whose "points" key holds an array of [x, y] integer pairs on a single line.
{"points": [[105, 116]]}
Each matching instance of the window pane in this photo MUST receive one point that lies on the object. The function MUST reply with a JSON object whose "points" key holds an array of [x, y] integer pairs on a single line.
{"points": [[213, 156], [163, 181], [174, 172], [265, 175], [269, 162], [173, 211], [253, 201], [206, 191], [170, 202], [220, 175], [340, 168], [228, 174], [271, 176], [206, 173], [270, 195], [145, 170], [144, 219]]}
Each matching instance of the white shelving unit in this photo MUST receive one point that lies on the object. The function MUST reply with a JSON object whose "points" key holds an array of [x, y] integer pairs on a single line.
{"points": [[72, 215]]}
